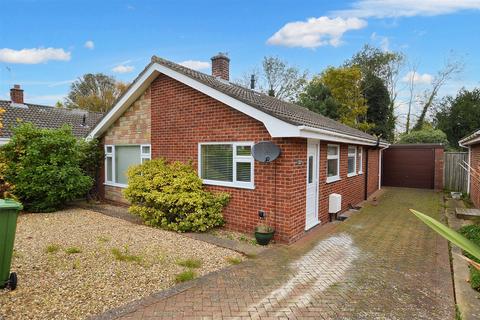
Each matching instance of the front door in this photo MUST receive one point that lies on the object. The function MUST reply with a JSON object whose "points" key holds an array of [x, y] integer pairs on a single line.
{"points": [[313, 155]]}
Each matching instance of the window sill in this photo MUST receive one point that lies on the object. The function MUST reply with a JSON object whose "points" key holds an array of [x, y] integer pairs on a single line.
{"points": [[351, 175], [113, 184], [333, 179], [360, 173], [229, 184]]}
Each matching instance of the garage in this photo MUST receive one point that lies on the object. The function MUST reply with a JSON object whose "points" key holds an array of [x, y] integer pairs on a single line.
{"points": [[413, 166]]}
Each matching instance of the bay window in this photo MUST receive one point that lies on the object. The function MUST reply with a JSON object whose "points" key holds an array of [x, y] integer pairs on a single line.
{"points": [[118, 158], [333, 162], [226, 164], [352, 161]]}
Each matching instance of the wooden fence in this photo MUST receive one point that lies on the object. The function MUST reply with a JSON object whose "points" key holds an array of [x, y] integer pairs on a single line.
{"points": [[455, 177]]}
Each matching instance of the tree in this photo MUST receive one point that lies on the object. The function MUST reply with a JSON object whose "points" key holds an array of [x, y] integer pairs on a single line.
{"points": [[426, 135], [44, 165], [385, 65], [318, 98], [277, 79], [443, 76], [379, 111], [284, 81], [411, 89], [345, 85], [94, 92], [458, 116]]}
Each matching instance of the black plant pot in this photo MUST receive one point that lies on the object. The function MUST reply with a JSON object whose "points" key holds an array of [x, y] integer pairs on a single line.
{"points": [[264, 237]]}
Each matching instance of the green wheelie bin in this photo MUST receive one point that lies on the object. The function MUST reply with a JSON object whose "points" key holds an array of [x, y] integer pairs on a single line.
{"points": [[8, 224]]}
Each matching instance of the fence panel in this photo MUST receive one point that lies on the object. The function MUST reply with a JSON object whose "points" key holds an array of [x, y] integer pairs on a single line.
{"points": [[455, 177]]}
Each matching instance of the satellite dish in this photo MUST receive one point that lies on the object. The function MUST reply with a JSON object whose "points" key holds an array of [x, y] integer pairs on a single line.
{"points": [[265, 151]]}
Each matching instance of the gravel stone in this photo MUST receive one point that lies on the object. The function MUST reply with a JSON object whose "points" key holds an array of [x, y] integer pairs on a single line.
{"points": [[59, 285]]}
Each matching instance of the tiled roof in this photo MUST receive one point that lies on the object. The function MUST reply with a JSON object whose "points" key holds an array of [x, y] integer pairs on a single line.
{"points": [[46, 117], [277, 108]]}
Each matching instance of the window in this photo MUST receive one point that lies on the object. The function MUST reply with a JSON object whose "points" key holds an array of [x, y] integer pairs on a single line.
{"points": [[226, 164], [333, 163], [360, 160], [119, 158], [352, 161]]}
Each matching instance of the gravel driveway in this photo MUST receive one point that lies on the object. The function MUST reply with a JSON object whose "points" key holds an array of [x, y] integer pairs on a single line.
{"points": [[68, 270]]}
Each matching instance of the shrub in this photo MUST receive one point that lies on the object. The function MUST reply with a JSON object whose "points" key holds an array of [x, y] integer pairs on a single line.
{"points": [[426, 135], [91, 156], [171, 196], [472, 232], [44, 166]]}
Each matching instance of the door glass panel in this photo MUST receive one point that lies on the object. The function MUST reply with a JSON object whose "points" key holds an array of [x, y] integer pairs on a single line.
{"points": [[310, 169]]}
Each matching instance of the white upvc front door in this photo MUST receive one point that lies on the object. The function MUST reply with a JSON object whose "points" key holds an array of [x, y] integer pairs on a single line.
{"points": [[313, 157]]}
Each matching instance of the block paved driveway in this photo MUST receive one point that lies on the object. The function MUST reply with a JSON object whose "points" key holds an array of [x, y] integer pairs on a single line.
{"points": [[382, 263]]}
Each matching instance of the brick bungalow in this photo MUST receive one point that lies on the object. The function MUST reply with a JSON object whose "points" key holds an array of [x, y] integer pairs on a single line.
{"points": [[472, 143], [176, 113]]}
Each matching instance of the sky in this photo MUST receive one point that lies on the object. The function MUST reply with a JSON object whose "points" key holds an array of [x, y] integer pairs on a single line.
{"points": [[46, 45]]}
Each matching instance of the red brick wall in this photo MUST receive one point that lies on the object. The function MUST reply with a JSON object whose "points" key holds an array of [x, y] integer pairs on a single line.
{"points": [[182, 117], [438, 175], [474, 184], [352, 189]]}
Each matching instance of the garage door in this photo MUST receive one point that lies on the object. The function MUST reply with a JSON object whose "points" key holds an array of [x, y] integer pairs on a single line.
{"points": [[411, 166]]}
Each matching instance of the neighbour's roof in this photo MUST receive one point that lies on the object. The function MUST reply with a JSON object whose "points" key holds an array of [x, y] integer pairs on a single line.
{"points": [[473, 138], [277, 108], [46, 117]]}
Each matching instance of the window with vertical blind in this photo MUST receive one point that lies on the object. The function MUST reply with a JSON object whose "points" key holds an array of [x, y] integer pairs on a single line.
{"points": [[118, 158], [226, 164]]}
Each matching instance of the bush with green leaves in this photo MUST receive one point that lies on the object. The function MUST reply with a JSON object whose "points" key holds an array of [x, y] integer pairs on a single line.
{"points": [[44, 165], [472, 233], [171, 196], [426, 135]]}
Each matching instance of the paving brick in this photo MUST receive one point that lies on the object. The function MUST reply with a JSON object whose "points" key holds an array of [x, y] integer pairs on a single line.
{"points": [[379, 264]]}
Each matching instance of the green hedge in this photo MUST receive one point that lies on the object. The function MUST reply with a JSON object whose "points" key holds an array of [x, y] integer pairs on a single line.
{"points": [[44, 166], [171, 196]]}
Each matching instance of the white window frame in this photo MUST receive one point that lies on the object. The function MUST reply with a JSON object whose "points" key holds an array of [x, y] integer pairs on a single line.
{"points": [[352, 154], [143, 157], [236, 159], [360, 161], [334, 157]]}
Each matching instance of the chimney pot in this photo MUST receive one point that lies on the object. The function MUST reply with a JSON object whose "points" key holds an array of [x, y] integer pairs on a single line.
{"points": [[16, 94], [221, 66]]}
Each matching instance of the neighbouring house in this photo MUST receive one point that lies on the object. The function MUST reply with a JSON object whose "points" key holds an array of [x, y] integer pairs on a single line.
{"points": [[176, 113], [472, 143], [48, 117]]}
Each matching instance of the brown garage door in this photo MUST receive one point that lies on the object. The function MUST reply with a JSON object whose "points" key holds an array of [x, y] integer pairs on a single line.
{"points": [[411, 166]]}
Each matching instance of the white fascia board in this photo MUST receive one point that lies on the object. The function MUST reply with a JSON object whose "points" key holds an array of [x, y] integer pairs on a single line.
{"points": [[275, 127], [472, 139], [327, 135]]}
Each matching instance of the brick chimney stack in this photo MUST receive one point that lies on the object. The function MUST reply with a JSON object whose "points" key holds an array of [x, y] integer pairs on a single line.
{"points": [[221, 66], [16, 94]]}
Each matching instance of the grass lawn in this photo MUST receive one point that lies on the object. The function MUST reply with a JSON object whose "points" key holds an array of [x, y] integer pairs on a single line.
{"points": [[75, 263]]}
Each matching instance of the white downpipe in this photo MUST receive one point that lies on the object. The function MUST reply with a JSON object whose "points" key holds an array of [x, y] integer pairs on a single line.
{"points": [[468, 172], [380, 154]]}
